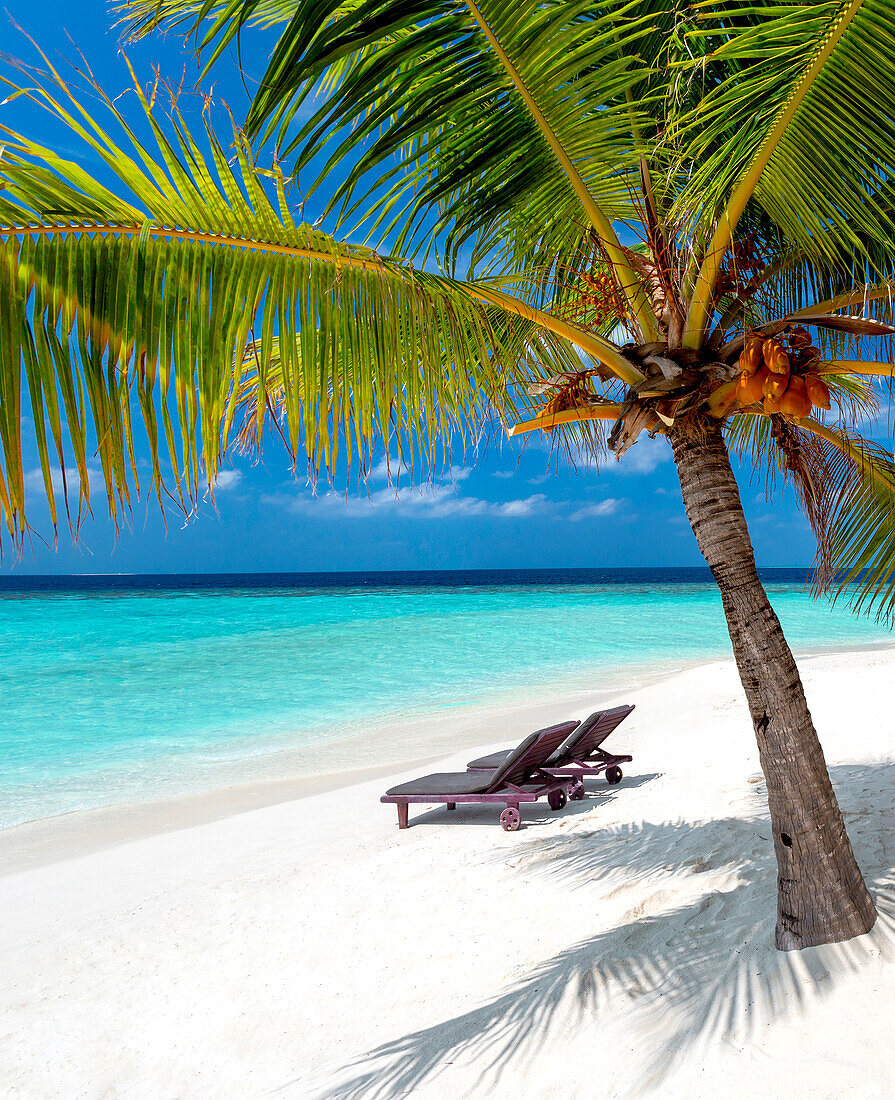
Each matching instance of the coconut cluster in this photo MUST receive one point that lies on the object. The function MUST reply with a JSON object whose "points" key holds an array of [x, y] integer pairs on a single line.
{"points": [[573, 393], [601, 297], [783, 379]]}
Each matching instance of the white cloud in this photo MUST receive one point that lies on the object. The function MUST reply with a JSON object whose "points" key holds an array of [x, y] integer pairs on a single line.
{"points": [[504, 473], [227, 479], [392, 470], [387, 468], [459, 473], [536, 503], [34, 481], [428, 502], [605, 507]]}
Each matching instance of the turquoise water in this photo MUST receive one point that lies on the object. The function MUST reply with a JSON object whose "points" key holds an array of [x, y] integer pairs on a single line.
{"points": [[120, 695]]}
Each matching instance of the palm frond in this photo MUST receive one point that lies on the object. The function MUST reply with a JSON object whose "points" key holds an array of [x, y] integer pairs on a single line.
{"points": [[783, 451], [478, 120], [785, 454], [141, 17], [262, 389], [791, 121], [846, 485], [142, 304], [862, 526], [795, 287]]}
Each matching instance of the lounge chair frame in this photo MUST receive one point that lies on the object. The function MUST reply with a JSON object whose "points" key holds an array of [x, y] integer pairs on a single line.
{"points": [[511, 795], [600, 761], [530, 782]]}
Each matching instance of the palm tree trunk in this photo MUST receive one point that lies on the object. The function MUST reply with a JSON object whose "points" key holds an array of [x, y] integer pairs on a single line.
{"points": [[821, 896]]}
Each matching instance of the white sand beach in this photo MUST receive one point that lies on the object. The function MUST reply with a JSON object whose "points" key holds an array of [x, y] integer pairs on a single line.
{"points": [[620, 947]]}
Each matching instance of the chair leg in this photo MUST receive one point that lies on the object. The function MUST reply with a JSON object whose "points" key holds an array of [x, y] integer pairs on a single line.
{"points": [[403, 809], [452, 805]]}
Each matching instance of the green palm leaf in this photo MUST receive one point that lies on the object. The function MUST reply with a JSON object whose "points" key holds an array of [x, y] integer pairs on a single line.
{"points": [[155, 296], [221, 18], [862, 526], [269, 373], [793, 120], [846, 486], [501, 126]]}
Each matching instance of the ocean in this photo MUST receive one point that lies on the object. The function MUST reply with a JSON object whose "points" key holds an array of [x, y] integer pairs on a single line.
{"points": [[119, 689]]}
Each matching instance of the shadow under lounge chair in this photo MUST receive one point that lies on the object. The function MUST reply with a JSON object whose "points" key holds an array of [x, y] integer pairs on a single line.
{"points": [[580, 755], [518, 778]]}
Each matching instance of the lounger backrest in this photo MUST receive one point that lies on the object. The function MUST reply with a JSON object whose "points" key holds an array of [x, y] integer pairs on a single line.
{"points": [[570, 745], [589, 735], [530, 754]]}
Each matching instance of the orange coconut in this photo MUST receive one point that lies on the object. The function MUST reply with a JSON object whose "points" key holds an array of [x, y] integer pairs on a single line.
{"points": [[750, 388], [777, 360], [772, 404], [722, 399], [818, 391], [796, 402], [750, 356], [775, 386]]}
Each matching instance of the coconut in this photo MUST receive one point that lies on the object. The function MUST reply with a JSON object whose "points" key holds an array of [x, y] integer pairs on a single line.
{"points": [[772, 404], [750, 356], [751, 387], [796, 402], [775, 386], [818, 391], [775, 357], [799, 337], [778, 360], [721, 399]]}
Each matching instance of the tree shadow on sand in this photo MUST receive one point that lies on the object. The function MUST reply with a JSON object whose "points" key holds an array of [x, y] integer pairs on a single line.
{"points": [[687, 976]]}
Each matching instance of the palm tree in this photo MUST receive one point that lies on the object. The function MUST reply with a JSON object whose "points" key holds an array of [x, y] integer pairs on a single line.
{"points": [[636, 210]]}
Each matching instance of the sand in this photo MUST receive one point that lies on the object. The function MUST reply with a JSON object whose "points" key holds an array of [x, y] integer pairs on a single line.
{"points": [[621, 947]]}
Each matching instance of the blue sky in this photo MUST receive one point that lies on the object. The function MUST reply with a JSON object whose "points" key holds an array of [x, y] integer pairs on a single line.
{"points": [[503, 506]]}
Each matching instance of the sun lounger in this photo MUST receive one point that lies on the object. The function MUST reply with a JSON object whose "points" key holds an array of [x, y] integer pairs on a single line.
{"points": [[580, 755], [518, 778]]}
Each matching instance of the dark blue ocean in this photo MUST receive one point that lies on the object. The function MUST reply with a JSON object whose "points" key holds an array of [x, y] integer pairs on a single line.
{"points": [[128, 688]]}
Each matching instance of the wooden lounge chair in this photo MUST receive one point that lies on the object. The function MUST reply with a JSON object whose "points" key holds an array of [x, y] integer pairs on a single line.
{"points": [[518, 778], [580, 755]]}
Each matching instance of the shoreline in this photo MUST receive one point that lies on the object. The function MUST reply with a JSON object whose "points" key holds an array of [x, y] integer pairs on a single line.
{"points": [[48, 840], [120, 704], [465, 727], [423, 733]]}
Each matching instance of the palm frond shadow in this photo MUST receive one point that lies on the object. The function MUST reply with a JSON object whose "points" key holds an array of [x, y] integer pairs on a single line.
{"points": [[686, 977]]}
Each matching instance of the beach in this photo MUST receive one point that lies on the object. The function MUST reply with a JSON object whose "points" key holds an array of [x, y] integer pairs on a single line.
{"points": [[622, 946], [387, 387]]}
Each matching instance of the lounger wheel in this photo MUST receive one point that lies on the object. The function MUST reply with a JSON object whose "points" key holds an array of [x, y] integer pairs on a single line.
{"points": [[556, 799], [614, 774], [510, 819], [577, 792]]}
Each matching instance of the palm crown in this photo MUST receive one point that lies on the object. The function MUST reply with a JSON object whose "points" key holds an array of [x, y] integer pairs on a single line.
{"points": [[642, 196]]}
